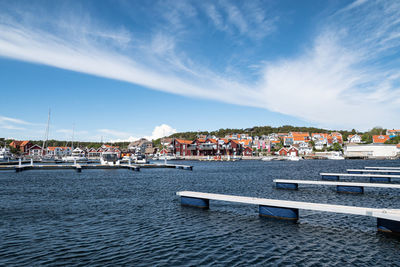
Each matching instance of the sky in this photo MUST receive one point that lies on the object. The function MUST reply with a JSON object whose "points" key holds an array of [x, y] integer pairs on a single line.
{"points": [[120, 70]]}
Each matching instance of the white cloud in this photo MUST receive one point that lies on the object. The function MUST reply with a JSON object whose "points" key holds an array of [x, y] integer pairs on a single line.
{"points": [[13, 120], [346, 78], [158, 132]]}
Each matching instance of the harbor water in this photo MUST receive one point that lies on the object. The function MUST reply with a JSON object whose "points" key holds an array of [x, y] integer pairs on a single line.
{"points": [[120, 217]]}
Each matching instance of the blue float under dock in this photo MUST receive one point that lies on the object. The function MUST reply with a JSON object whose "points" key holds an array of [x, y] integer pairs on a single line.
{"points": [[388, 220]]}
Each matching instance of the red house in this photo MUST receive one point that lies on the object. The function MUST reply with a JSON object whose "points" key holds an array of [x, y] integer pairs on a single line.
{"points": [[248, 151], [283, 152], [22, 146], [181, 147]]}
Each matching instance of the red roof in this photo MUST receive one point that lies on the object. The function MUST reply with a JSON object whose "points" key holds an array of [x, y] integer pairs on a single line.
{"points": [[380, 139]]}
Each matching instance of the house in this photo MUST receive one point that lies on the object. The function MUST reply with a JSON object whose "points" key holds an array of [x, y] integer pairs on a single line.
{"points": [[181, 147], [288, 141], [293, 151], [380, 139], [304, 148], [35, 151], [300, 137], [58, 151], [93, 153], [22, 146], [247, 151], [354, 138], [393, 133], [140, 146], [283, 151]]}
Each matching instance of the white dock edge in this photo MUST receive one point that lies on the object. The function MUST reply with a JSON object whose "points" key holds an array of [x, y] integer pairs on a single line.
{"points": [[376, 171], [383, 168], [360, 175], [388, 219], [373, 177], [341, 187], [337, 183]]}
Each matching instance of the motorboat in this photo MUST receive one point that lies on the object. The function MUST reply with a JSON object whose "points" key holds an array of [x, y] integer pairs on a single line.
{"points": [[267, 158], [336, 156], [109, 158], [293, 158], [5, 154]]}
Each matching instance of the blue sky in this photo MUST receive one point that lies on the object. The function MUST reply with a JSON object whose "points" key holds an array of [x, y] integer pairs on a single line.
{"points": [[120, 70]]}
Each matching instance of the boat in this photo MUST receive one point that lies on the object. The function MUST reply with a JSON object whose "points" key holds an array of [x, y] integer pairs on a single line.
{"points": [[267, 158], [5, 154], [109, 158], [293, 158], [336, 156], [78, 155]]}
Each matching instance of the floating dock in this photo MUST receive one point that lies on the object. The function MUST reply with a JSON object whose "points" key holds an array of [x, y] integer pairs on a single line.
{"points": [[383, 168], [388, 220], [373, 177], [341, 187], [80, 167], [381, 171]]}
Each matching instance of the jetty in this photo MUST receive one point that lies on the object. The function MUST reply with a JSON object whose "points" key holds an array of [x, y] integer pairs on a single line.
{"points": [[373, 177], [388, 220], [383, 168], [341, 187], [380, 171], [79, 167]]}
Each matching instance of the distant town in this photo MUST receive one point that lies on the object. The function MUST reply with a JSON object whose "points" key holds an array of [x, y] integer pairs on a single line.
{"points": [[377, 143]]}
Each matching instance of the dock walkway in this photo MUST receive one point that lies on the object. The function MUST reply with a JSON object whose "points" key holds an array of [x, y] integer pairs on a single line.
{"points": [[387, 219]]}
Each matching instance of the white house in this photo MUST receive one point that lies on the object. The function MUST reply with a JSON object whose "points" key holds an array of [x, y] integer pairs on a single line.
{"points": [[35, 151], [354, 138]]}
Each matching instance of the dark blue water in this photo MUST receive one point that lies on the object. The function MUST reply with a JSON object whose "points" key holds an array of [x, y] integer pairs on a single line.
{"points": [[120, 217]]}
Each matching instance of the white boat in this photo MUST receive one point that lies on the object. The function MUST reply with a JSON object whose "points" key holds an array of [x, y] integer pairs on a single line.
{"points": [[109, 158], [5, 154], [78, 155], [293, 158], [336, 156], [140, 159], [166, 157], [267, 158]]}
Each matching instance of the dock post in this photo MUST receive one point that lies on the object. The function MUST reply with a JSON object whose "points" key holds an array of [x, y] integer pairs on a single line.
{"points": [[350, 189], [379, 179], [31, 162], [388, 226], [279, 212], [19, 162], [195, 202], [129, 161], [330, 178], [78, 168], [75, 162], [292, 186]]}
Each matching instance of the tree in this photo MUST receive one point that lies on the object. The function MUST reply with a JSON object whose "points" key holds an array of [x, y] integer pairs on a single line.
{"points": [[394, 140]]}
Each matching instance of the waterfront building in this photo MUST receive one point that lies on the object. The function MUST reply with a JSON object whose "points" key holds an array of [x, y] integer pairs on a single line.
{"points": [[35, 151], [22, 146], [393, 133], [378, 150]]}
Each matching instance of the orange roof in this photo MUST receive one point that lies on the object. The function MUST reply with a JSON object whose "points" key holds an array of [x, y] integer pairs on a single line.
{"points": [[393, 131], [245, 142], [398, 146], [183, 141], [380, 139]]}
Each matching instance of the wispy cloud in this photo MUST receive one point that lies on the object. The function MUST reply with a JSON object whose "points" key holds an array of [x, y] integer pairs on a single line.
{"points": [[348, 68], [13, 120]]}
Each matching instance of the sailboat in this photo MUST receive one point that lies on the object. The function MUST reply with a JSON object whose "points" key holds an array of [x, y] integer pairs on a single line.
{"points": [[78, 155]]}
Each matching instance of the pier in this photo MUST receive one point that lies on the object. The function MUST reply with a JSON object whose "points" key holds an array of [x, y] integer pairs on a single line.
{"points": [[388, 220], [341, 187], [383, 168], [373, 177], [80, 167], [380, 171]]}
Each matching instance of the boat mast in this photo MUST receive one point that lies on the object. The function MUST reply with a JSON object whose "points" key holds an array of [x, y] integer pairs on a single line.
{"points": [[46, 137], [72, 142]]}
